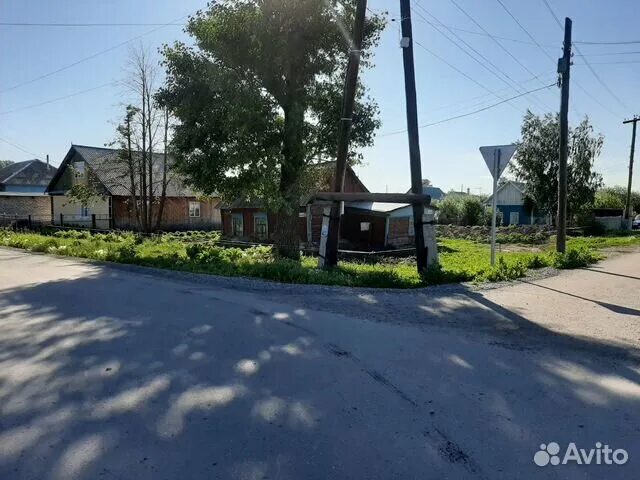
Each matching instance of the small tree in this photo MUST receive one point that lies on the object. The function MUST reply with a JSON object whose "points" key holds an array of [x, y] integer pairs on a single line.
{"points": [[472, 211], [450, 210], [143, 140], [536, 163]]}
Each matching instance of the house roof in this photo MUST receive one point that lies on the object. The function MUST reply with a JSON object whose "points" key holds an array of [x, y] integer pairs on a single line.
{"points": [[436, 193], [518, 185], [30, 173], [322, 184], [108, 167]]}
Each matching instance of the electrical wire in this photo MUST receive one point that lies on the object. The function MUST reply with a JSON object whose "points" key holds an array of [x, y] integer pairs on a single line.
{"points": [[18, 147], [493, 72], [502, 47], [468, 114], [47, 102], [90, 57], [68, 25]]}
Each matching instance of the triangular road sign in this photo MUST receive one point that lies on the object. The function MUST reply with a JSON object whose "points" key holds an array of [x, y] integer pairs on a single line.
{"points": [[497, 153]]}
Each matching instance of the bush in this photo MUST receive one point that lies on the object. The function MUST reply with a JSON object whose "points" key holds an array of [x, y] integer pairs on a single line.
{"points": [[472, 211], [574, 258], [503, 271]]}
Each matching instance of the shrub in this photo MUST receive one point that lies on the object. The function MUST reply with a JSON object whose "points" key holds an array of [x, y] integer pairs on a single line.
{"points": [[503, 271], [472, 211], [574, 258]]}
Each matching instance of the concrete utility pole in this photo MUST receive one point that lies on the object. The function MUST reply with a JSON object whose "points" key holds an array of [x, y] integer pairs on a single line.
{"points": [[564, 69], [350, 88], [628, 207], [412, 126]]}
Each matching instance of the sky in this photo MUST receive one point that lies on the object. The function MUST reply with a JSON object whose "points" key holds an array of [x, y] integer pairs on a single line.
{"points": [[59, 85]]}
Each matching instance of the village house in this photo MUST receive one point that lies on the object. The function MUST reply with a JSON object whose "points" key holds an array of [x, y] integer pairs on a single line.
{"points": [[22, 190], [103, 169], [512, 206], [363, 225]]}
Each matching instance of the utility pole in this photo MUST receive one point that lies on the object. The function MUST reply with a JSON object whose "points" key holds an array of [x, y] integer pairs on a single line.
{"points": [[564, 69], [346, 122], [628, 207], [412, 127]]}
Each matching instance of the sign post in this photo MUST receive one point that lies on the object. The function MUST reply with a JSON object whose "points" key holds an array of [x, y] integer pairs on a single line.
{"points": [[497, 157]]}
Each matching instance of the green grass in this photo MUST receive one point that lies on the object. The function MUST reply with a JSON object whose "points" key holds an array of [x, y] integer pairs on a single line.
{"points": [[460, 260]]}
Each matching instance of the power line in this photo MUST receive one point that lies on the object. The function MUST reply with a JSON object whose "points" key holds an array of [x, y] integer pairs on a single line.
{"points": [[623, 42], [591, 69], [485, 34], [90, 57], [609, 54], [621, 62], [30, 24], [493, 72], [47, 102], [502, 47], [472, 112], [18, 147]]}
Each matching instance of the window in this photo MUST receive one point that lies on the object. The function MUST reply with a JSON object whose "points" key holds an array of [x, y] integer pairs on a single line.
{"points": [[237, 225], [365, 226], [412, 228], [78, 169], [514, 218], [261, 226], [194, 209], [84, 211]]}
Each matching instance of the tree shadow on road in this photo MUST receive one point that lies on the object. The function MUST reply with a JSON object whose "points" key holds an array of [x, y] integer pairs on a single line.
{"points": [[116, 375]]}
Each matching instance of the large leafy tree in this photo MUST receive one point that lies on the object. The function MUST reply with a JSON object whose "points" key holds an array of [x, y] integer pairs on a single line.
{"points": [[536, 163], [258, 99]]}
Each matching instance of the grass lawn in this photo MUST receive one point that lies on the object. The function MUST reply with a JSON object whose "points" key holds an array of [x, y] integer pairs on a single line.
{"points": [[460, 260]]}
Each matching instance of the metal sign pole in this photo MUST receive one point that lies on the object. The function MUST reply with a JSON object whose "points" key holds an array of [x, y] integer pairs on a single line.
{"points": [[494, 204]]}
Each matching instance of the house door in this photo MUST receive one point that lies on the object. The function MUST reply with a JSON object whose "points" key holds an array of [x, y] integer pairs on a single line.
{"points": [[514, 218]]}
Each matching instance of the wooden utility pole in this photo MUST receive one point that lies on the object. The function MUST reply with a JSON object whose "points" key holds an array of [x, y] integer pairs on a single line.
{"points": [[564, 69], [346, 122], [628, 207], [412, 127]]}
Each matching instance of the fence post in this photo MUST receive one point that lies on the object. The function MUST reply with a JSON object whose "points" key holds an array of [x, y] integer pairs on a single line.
{"points": [[29, 222], [62, 220], [93, 221]]}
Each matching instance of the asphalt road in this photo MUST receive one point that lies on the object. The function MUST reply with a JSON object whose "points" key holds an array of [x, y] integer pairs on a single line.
{"points": [[115, 373]]}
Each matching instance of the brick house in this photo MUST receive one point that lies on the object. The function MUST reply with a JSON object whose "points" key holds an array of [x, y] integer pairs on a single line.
{"points": [[22, 189], [360, 228], [103, 169]]}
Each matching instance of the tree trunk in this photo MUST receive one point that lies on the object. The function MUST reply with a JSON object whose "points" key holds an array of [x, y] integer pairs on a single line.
{"points": [[286, 237]]}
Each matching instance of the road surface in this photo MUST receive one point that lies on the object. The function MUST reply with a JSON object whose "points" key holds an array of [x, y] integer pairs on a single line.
{"points": [[126, 373]]}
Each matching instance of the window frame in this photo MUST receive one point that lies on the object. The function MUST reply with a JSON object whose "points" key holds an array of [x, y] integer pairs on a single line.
{"points": [[195, 207], [234, 217], [261, 216]]}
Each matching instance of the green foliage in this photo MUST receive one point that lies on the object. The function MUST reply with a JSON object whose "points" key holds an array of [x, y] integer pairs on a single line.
{"points": [[616, 197], [5, 163], [503, 271], [574, 258], [450, 210], [473, 212], [259, 96], [536, 162], [81, 194], [460, 260]]}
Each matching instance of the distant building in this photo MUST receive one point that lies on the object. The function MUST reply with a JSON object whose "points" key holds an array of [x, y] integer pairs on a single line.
{"points": [[22, 189], [511, 205], [184, 209], [435, 193]]}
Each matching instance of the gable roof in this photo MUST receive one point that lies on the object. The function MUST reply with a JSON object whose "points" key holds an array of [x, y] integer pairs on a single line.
{"points": [[108, 167], [521, 186], [323, 183], [30, 172]]}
